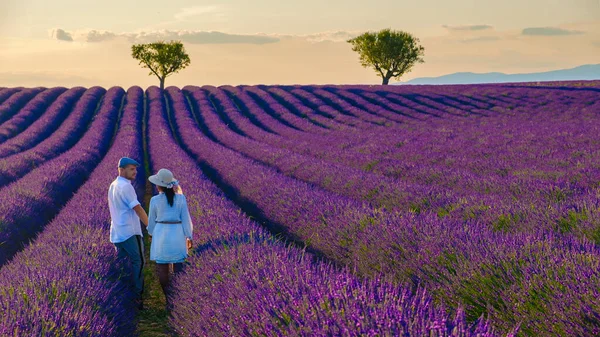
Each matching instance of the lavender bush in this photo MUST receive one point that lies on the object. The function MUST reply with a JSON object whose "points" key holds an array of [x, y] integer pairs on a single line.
{"points": [[31, 202], [55, 110], [82, 293], [5, 93], [15, 102], [238, 262], [65, 136], [451, 210], [34, 108]]}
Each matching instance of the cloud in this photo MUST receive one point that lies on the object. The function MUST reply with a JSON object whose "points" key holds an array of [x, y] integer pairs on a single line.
{"points": [[201, 37], [60, 34], [194, 37], [98, 36], [549, 31], [467, 28], [336, 36]]}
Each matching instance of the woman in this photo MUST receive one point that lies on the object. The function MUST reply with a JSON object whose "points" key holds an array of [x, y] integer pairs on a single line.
{"points": [[170, 225]]}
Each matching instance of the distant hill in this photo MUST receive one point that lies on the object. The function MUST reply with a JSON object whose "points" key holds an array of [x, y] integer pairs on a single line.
{"points": [[585, 72]]}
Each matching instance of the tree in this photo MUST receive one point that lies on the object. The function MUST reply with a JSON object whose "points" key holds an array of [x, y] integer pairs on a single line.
{"points": [[391, 53], [162, 58]]}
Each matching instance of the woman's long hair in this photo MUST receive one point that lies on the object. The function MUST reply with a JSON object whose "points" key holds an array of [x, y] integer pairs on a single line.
{"points": [[169, 192]]}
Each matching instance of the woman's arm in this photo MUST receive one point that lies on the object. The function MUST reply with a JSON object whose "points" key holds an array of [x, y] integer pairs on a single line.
{"points": [[186, 220], [151, 217]]}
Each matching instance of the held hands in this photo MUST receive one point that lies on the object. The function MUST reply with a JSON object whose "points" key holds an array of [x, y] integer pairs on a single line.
{"points": [[189, 243]]}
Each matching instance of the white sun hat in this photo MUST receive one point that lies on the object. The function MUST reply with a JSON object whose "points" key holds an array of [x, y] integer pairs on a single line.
{"points": [[164, 178]]}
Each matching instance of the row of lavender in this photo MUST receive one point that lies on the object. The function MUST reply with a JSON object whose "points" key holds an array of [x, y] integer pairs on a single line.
{"points": [[330, 147], [29, 203], [468, 173], [63, 136], [406, 104], [277, 290], [7, 92], [13, 103], [351, 182], [450, 256], [81, 293], [40, 117], [32, 110], [579, 102]]}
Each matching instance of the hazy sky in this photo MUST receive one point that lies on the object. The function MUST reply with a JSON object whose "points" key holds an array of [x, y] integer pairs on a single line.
{"points": [[83, 42]]}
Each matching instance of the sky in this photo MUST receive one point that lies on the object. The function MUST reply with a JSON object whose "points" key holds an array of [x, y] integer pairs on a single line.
{"points": [[232, 42]]}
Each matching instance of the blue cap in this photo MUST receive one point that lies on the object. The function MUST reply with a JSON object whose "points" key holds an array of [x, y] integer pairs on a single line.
{"points": [[127, 161]]}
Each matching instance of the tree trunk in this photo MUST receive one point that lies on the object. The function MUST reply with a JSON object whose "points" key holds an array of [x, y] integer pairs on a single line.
{"points": [[386, 78], [162, 83]]}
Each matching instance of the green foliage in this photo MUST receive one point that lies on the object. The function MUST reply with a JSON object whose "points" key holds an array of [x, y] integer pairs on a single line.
{"points": [[162, 58], [483, 290], [372, 194], [370, 165], [557, 195], [391, 53], [474, 211], [419, 206], [446, 210], [569, 223], [504, 222]]}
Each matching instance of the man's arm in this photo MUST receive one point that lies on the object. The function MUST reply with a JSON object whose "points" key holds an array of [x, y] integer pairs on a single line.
{"points": [[130, 198], [142, 214]]}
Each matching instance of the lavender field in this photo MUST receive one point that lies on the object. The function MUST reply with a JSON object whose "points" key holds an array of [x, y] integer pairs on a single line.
{"points": [[456, 210]]}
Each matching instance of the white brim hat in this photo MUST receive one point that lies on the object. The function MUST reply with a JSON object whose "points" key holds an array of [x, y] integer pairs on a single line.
{"points": [[164, 178]]}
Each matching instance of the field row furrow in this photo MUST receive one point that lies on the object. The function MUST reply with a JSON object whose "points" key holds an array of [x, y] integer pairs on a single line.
{"points": [[53, 111], [63, 138], [444, 254], [15, 102], [336, 148], [34, 109], [7, 92], [237, 262], [318, 210], [278, 110], [83, 292], [356, 184], [326, 102], [479, 189], [28, 204], [298, 108], [377, 106], [331, 147]]}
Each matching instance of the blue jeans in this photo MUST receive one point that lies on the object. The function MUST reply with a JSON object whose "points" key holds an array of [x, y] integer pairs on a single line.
{"points": [[134, 249]]}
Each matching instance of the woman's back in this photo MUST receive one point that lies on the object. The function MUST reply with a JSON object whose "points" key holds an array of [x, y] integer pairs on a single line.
{"points": [[169, 227], [166, 212]]}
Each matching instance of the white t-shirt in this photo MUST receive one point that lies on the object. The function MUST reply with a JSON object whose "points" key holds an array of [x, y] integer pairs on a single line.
{"points": [[124, 222]]}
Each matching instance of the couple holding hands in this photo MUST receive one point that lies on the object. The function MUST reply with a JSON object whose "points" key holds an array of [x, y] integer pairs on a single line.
{"points": [[168, 222]]}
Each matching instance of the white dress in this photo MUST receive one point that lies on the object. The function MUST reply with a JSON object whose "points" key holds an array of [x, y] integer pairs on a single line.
{"points": [[169, 240]]}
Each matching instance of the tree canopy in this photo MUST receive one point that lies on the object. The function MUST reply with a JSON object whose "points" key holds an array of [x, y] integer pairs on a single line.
{"points": [[391, 53], [162, 58]]}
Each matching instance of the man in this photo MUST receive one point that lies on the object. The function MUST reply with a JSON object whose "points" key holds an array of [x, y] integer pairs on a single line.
{"points": [[125, 229]]}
